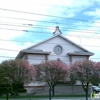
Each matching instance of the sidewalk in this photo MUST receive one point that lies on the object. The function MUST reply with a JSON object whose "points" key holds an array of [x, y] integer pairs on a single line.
{"points": [[67, 99], [52, 99], [64, 99]]}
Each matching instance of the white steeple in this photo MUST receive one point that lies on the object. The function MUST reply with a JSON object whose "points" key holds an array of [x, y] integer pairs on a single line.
{"points": [[57, 31]]}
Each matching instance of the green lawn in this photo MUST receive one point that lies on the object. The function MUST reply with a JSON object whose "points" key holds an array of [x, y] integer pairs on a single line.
{"points": [[43, 96]]}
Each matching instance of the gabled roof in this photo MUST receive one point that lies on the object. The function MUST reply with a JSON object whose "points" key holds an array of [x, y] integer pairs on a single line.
{"points": [[62, 38], [57, 33]]}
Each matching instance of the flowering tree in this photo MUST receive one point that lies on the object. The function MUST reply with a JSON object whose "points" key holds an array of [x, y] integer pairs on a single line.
{"points": [[52, 72], [17, 71], [85, 72], [1, 76], [96, 77]]}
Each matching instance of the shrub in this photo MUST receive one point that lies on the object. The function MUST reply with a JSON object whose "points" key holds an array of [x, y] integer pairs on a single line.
{"points": [[4, 87], [93, 95], [22, 90]]}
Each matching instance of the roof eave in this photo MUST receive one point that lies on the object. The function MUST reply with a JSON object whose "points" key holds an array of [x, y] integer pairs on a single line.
{"points": [[20, 55], [38, 52], [76, 54]]}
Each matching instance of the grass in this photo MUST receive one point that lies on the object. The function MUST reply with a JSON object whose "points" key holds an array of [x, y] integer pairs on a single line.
{"points": [[44, 96]]}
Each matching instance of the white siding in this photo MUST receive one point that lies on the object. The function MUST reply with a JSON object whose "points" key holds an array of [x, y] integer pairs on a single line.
{"points": [[49, 45], [77, 58], [35, 59], [62, 58]]}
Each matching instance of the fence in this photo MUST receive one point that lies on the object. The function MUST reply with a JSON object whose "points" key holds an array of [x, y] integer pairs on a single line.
{"points": [[61, 89]]}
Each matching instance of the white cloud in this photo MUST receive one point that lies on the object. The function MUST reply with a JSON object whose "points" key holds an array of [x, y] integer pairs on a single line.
{"points": [[90, 41], [65, 8], [11, 49], [97, 24], [90, 44], [5, 34], [95, 13]]}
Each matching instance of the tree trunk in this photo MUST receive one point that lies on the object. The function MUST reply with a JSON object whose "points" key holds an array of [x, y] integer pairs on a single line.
{"points": [[85, 87], [53, 91], [87, 90], [87, 93], [15, 89]]}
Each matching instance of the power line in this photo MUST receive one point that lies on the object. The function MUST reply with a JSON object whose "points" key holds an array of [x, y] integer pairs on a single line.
{"points": [[16, 41], [6, 57], [24, 19], [85, 32], [47, 43], [72, 35], [9, 50], [28, 58], [23, 30], [39, 59], [47, 28], [35, 27], [82, 36], [30, 24], [29, 20], [27, 25], [44, 15]]}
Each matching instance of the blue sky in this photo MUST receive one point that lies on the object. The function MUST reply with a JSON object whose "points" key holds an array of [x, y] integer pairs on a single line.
{"points": [[78, 20]]}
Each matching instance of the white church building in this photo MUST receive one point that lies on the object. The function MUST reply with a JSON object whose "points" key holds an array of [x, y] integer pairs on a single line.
{"points": [[55, 48]]}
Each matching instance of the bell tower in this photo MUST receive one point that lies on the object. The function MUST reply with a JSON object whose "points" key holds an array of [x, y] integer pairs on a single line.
{"points": [[57, 31]]}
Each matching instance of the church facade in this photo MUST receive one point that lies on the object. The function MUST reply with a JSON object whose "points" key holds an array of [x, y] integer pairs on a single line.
{"points": [[55, 48]]}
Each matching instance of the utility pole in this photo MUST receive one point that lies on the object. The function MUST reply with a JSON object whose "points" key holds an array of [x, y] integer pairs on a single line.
{"points": [[50, 93], [7, 93]]}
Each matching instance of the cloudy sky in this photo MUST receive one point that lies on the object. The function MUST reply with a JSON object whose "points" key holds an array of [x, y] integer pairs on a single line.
{"points": [[26, 22]]}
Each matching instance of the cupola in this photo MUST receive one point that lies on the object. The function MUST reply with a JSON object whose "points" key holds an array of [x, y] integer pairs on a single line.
{"points": [[57, 31]]}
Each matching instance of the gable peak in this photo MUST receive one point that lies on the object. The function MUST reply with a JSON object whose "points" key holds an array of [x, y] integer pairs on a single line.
{"points": [[57, 31]]}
